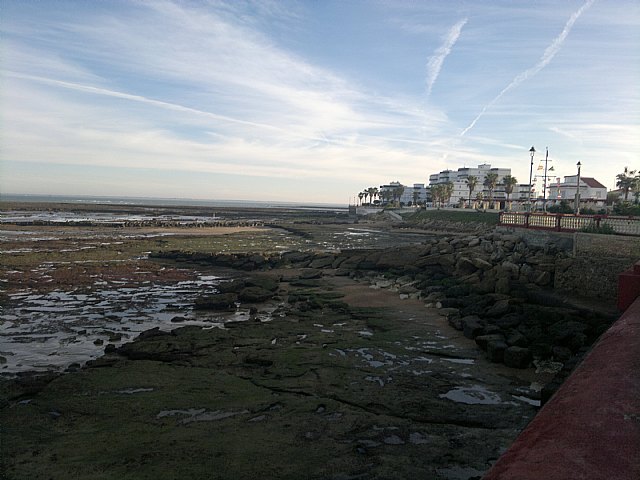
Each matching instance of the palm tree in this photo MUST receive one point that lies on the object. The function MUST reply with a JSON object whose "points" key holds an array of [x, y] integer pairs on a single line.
{"points": [[447, 191], [509, 183], [625, 181], [360, 195], [472, 181], [490, 181], [397, 194], [416, 196], [365, 194], [480, 198], [436, 193], [372, 191], [635, 188]]}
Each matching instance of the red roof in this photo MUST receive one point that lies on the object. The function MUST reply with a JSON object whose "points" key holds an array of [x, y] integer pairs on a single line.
{"points": [[592, 182]]}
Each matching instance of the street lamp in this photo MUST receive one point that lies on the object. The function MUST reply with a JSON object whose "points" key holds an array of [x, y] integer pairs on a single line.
{"points": [[532, 151], [578, 190]]}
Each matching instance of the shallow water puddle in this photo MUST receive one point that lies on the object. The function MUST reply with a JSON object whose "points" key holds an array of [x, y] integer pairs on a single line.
{"points": [[59, 328], [473, 395], [199, 415]]}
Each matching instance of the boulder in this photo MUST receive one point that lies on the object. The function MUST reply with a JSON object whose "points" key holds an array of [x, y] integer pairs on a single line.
{"points": [[220, 301], [481, 263], [255, 295], [495, 350], [233, 286], [483, 340], [517, 339], [498, 309], [465, 266], [517, 357], [325, 261], [471, 326]]}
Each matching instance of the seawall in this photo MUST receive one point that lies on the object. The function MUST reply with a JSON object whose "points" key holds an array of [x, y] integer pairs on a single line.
{"points": [[591, 427]]}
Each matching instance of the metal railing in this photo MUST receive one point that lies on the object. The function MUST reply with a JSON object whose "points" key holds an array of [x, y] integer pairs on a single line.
{"points": [[570, 223]]}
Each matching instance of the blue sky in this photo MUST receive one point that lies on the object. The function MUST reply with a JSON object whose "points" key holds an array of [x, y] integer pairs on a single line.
{"points": [[310, 100]]}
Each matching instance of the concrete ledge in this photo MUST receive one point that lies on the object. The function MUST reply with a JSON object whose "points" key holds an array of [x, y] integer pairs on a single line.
{"points": [[590, 429]]}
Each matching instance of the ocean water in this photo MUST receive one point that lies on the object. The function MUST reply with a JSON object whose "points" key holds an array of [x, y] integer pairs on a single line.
{"points": [[187, 202]]}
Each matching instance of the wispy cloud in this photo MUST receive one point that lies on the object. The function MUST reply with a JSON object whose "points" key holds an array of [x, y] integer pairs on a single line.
{"points": [[434, 65], [547, 56]]}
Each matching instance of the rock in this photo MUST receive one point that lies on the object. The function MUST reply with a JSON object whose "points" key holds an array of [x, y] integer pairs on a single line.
{"points": [[465, 266], [474, 242], [263, 282], [233, 286], [509, 321], [517, 357], [220, 301], [310, 274], [455, 322], [322, 262], [483, 340], [517, 339], [561, 354], [498, 309], [255, 295], [471, 326], [481, 263], [98, 341], [503, 285], [542, 278], [447, 260], [178, 319], [407, 289], [495, 350]]}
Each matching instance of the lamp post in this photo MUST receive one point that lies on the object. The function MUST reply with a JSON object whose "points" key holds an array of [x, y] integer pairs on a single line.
{"points": [[532, 151], [544, 184], [578, 190]]}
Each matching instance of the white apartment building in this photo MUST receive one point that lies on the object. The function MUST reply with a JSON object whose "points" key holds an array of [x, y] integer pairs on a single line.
{"points": [[407, 196], [461, 189]]}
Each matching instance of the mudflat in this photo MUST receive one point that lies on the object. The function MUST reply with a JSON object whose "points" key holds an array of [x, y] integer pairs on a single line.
{"points": [[109, 370]]}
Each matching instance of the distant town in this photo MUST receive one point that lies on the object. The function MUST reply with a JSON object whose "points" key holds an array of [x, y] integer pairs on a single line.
{"points": [[493, 188]]}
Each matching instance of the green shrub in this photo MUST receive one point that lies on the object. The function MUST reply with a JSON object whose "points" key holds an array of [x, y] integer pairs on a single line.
{"points": [[603, 228]]}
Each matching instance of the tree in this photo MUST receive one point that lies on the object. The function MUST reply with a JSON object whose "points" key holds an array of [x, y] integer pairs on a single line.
{"points": [[436, 194], [509, 183], [447, 191], [397, 194], [360, 195], [416, 196], [472, 181], [490, 181], [625, 181], [635, 189], [372, 191]]}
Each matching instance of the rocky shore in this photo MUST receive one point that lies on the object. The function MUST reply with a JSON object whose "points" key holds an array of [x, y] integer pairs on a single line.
{"points": [[493, 287], [424, 359]]}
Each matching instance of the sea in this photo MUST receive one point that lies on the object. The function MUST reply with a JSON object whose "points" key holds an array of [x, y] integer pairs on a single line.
{"points": [[168, 202]]}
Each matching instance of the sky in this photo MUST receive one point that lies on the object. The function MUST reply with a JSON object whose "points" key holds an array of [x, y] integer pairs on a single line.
{"points": [[310, 101]]}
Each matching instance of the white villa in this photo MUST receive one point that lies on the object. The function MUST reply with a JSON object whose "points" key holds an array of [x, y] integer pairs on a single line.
{"points": [[592, 193]]}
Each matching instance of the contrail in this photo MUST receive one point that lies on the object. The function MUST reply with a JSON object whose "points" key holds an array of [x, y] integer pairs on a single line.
{"points": [[181, 108], [435, 62], [547, 56]]}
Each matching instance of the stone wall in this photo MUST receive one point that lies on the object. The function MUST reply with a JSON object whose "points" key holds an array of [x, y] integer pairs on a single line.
{"points": [[597, 259]]}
